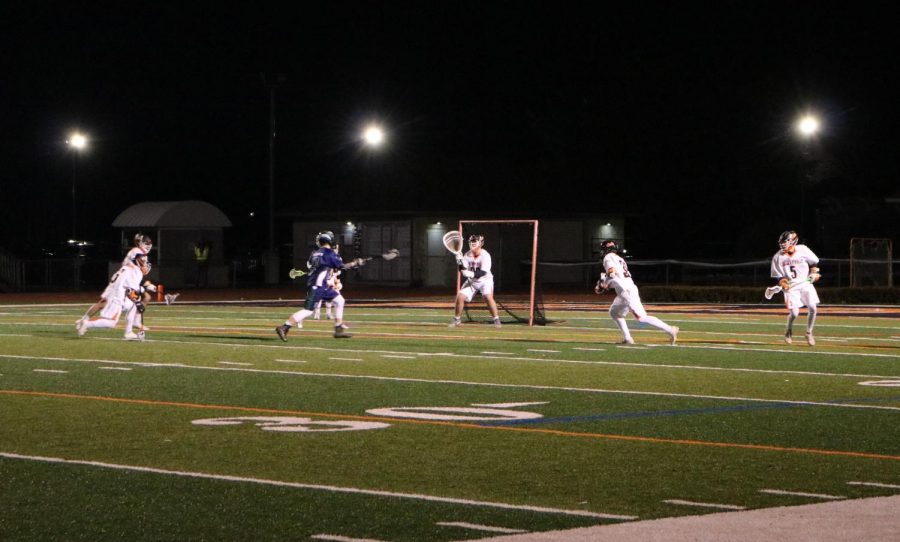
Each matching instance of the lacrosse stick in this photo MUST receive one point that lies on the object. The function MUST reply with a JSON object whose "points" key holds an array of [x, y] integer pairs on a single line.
{"points": [[295, 273], [772, 290], [602, 285], [453, 242], [387, 256], [359, 262]]}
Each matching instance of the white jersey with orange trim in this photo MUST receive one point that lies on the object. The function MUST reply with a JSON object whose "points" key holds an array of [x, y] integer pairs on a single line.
{"points": [[795, 266], [482, 262], [618, 276], [132, 254], [128, 277]]}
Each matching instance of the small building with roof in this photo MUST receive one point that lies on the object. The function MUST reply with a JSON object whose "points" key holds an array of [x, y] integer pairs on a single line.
{"points": [[177, 227]]}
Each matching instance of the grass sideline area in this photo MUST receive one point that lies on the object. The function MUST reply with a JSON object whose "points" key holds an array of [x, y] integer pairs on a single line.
{"points": [[215, 429]]}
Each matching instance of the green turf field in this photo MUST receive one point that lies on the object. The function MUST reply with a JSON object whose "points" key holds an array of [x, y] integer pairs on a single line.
{"points": [[214, 429]]}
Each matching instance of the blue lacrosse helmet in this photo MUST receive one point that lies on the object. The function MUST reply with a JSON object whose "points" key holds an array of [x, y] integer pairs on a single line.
{"points": [[325, 238]]}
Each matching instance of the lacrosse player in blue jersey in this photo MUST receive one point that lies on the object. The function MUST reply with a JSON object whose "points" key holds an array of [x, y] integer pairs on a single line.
{"points": [[324, 264], [334, 282]]}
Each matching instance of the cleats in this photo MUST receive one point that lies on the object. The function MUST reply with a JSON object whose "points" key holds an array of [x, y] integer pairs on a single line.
{"points": [[317, 315], [456, 322], [788, 337], [339, 333], [131, 336], [627, 340], [81, 326], [810, 340], [673, 337], [497, 324], [329, 316], [170, 298], [282, 332], [141, 335]]}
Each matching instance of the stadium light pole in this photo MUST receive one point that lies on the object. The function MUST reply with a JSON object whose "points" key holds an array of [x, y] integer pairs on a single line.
{"points": [[271, 254], [77, 142], [807, 127]]}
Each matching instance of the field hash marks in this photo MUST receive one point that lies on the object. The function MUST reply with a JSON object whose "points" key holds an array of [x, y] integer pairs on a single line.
{"points": [[476, 527], [802, 494], [705, 504]]}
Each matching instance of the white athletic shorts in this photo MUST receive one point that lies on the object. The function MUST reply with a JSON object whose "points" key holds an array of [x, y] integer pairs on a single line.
{"points": [[801, 295], [114, 309], [108, 291], [628, 300], [484, 286]]}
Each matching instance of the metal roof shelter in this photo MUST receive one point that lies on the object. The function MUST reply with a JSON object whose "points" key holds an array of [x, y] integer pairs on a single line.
{"points": [[172, 215], [176, 227]]}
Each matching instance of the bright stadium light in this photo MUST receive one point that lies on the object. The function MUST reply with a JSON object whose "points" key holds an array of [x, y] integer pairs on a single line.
{"points": [[77, 141], [373, 136], [808, 126]]}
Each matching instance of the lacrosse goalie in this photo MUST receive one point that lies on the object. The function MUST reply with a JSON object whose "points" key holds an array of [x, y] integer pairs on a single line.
{"points": [[325, 262], [627, 299], [475, 268], [795, 267]]}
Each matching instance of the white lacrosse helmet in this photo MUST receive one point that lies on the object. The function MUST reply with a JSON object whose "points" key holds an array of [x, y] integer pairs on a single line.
{"points": [[788, 239], [143, 242], [476, 240]]}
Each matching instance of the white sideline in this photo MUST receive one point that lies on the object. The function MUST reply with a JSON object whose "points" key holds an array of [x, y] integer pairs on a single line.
{"points": [[318, 487]]}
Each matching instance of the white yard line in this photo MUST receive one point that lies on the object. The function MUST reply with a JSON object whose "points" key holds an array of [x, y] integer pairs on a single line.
{"points": [[115, 368], [237, 363], [544, 351], [49, 371], [705, 504], [802, 494], [318, 487], [485, 384], [476, 527], [291, 361], [397, 356]]}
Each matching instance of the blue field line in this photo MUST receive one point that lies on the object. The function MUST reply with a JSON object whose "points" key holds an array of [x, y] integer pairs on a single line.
{"points": [[676, 412]]}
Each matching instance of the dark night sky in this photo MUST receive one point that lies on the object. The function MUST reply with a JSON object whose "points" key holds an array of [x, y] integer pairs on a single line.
{"points": [[678, 113]]}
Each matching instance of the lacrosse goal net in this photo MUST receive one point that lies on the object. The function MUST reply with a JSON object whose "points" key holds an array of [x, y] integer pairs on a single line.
{"points": [[513, 246], [871, 262]]}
